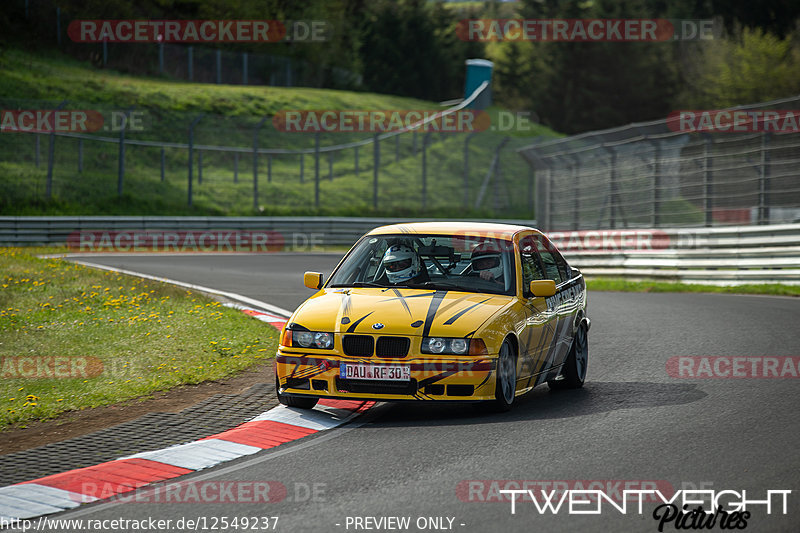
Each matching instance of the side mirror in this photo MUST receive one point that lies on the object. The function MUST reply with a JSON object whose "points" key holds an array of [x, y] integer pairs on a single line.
{"points": [[543, 288], [312, 280]]}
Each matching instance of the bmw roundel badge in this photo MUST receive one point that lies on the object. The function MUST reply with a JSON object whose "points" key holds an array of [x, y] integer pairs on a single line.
{"points": [[377, 325]]}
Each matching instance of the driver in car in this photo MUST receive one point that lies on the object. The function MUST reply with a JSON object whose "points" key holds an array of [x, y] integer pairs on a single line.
{"points": [[403, 265], [487, 263]]}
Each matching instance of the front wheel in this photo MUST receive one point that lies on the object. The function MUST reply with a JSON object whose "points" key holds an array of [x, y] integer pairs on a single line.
{"points": [[294, 401], [574, 371], [506, 378]]}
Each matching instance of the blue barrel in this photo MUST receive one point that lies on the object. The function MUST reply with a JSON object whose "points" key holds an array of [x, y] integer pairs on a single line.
{"points": [[479, 71]]}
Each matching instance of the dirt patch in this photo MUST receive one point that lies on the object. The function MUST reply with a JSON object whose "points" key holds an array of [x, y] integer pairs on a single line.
{"points": [[76, 423]]}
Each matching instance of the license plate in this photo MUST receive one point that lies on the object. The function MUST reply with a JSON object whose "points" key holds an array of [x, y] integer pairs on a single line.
{"points": [[375, 372]]}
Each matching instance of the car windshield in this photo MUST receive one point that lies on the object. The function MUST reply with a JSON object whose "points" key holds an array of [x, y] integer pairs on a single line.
{"points": [[447, 262]]}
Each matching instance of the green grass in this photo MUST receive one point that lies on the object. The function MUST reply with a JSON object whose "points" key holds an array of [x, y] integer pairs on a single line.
{"points": [[617, 284], [230, 116], [111, 337]]}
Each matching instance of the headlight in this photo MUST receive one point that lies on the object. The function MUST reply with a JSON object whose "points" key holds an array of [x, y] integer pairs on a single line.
{"points": [[311, 339], [445, 345]]}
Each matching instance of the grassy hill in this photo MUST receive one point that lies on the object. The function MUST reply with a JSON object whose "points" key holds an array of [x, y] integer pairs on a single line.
{"points": [[230, 115]]}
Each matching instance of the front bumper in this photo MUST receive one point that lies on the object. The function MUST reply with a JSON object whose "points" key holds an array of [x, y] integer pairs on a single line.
{"points": [[433, 379]]}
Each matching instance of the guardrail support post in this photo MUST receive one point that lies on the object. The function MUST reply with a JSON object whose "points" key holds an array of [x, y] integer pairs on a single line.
{"points": [[191, 157], [51, 152], [708, 181], [763, 180], [255, 162], [376, 163]]}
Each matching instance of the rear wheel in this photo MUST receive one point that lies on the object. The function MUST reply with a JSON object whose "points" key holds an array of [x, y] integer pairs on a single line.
{"points": [[294, 401], [573, 372], [506, 378]]}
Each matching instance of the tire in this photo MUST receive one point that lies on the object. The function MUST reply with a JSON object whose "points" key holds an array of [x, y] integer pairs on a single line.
{"points": [[573, 373], [505, 378], [294, 401]]}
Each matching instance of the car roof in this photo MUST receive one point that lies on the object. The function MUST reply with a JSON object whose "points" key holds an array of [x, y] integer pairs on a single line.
{"points": [[500, 231]]}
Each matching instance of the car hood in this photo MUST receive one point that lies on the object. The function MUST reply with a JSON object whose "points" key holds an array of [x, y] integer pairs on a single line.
{"points": [[398, 311]]}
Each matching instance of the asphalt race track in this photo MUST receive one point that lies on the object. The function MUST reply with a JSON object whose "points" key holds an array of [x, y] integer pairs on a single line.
{"points": [[632, 422]]}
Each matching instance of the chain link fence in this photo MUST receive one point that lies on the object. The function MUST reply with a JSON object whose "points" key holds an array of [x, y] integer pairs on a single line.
{"points": [[647, 175], [246, 165]]}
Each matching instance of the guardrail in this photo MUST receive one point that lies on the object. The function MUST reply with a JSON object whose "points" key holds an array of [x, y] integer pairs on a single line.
{"points": [[724, 256], [328, 231], [718, 256]]}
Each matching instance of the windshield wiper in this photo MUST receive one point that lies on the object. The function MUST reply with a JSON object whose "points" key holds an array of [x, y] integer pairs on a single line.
{"points": [[446, 284], [367, 284]]}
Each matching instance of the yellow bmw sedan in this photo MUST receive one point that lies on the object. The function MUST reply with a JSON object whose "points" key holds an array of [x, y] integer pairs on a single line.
{"points": [[438, 311]]}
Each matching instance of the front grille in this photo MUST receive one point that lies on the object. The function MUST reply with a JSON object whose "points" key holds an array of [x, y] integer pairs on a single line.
{"points": [[369, 386], [460, 390], [392, 346], [358, 345]]}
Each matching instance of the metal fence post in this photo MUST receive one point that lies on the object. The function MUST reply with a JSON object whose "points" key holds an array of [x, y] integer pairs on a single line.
{"points": [[121, 162], [37, 150], [466, 169], [376, 163], [219, 66], [236, 167], [80, 155], [244, 68], [316, 169], [302, 168], [58, 25], [199, 167], [356, 161], [576, 200], [425, 170], [163, 162], [255, 162], [414, 142], [763, 180], [105, 52], [396, 148], [550, 179], [191, 156], [330, 166], [161, 58], [708, 183], [655, 220], [269, 168], [51, 152], [191, 63]]}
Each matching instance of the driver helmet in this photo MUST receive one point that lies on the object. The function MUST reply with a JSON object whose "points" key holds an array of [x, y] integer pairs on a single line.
{"points": [[486, 256], [401, 263]]}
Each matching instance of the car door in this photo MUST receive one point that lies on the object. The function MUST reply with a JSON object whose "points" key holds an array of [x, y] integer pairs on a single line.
{"points": [[539, 332]]}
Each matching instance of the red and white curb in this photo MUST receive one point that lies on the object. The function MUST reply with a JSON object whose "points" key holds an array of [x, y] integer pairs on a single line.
{"points": [[276, 321], [279, 425]]}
